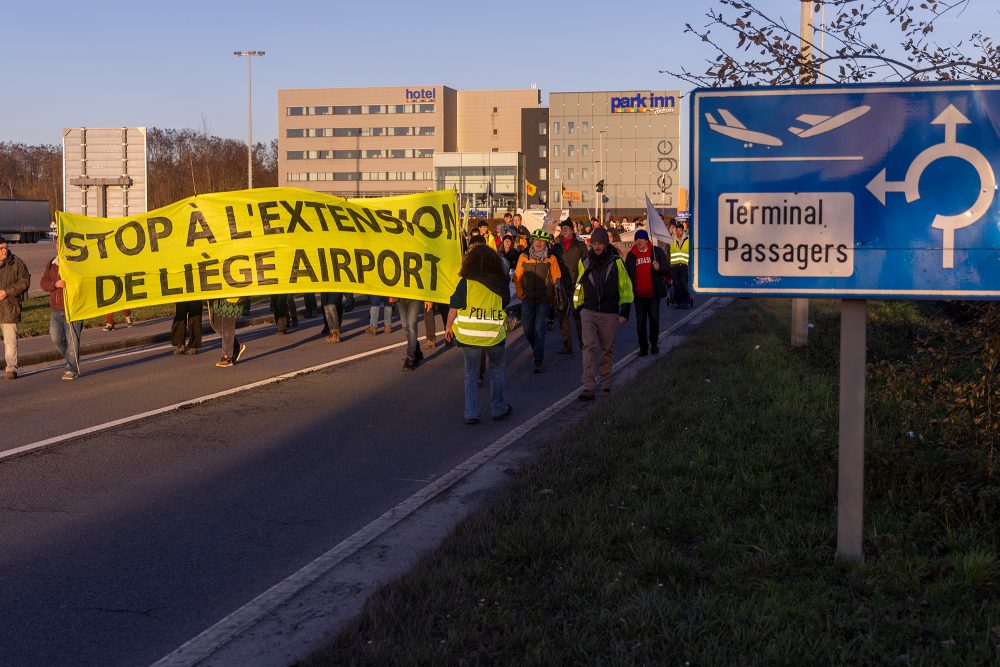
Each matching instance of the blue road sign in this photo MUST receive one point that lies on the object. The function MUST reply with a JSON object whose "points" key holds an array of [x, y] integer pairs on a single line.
{"points": [[856, 191]]}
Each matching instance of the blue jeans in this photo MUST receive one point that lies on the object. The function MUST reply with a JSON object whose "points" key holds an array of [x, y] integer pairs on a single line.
{"points": [[375, 304], [498, 402], [533, 317], [409, 315], [66, 337]]}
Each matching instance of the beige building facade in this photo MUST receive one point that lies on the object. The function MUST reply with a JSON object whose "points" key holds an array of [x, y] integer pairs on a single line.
{"points": [[380, 141], [628, 139]]}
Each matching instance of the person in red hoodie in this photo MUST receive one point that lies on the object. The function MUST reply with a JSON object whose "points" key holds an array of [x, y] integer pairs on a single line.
{"points": [[65, 335], [647, 266]]}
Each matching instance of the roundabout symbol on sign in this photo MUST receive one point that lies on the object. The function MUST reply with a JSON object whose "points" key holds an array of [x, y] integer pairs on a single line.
{"points": [[950, 118]]}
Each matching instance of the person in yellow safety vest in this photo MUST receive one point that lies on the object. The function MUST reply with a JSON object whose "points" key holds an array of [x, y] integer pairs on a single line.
{"points": [[488, 237], [476, 320], [679, 254], [603, 294]]}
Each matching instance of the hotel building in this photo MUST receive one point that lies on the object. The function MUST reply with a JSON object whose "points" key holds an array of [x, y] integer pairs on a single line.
{"points": [[373, 142]]}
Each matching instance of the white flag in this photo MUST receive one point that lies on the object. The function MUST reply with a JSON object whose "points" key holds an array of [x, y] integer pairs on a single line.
{"points": [[655, 222]]}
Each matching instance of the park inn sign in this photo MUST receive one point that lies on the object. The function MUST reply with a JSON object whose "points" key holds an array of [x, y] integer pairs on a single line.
{"points": [[642, 103]]}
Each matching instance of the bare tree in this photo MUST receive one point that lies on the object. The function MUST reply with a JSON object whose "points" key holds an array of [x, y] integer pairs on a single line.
{"points": [[761, 48]]}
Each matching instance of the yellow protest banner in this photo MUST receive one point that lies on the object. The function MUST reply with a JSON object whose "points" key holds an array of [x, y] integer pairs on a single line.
{"points": [[259, 242]]}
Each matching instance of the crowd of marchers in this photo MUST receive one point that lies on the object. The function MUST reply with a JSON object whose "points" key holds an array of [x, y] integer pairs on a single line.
{"points": [[509, 276]]}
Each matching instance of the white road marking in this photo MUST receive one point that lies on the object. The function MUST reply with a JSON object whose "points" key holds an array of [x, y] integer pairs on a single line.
{"points": [[232, 626], [48, 442]]}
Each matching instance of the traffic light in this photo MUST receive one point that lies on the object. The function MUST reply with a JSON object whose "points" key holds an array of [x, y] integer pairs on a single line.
{"points": [[600, 185], [604, 199]]}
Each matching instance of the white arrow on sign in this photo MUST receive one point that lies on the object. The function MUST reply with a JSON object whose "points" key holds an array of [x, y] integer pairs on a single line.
{"points": [[951, 118]]}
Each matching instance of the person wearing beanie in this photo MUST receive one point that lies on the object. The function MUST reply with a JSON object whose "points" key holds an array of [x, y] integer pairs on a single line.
{"points": [[647, 268], [603, 294]]}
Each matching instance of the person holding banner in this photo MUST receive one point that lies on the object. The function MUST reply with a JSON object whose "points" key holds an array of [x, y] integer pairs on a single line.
{"points": [[476, 321], [187, 318], [409, 316], [65, 335], [223, 314]]}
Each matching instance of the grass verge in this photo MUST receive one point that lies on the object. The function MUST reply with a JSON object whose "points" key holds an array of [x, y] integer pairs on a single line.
{"points": [[35, 316], [692, 520]]}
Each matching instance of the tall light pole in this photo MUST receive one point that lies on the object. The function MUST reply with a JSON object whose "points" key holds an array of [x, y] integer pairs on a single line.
{"points": [[249, 56]]}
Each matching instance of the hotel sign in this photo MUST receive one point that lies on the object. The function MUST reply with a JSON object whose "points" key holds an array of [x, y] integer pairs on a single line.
{"points": [[421, 95]]}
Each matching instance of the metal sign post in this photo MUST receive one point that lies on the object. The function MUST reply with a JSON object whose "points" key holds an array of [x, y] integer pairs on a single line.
{"points": [[851, 445]]}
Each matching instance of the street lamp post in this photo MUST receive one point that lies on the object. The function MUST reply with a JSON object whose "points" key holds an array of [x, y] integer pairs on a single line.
{"points": [[249, 56]]}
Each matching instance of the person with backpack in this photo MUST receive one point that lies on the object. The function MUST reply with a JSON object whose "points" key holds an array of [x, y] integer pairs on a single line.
{"points": [[603, 294], [647, 268], [14, 282], [537, 279], [223, 314]]}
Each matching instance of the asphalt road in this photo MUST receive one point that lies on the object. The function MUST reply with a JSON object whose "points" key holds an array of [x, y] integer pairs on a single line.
{"points": [[122, 544]]}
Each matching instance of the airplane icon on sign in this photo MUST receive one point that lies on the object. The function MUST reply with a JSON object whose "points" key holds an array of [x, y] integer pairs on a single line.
{"points": [[731, 127], [821, 124]]}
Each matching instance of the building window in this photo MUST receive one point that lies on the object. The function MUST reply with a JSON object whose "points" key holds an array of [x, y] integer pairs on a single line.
{"points": [[398, 152], [425, 131], [346, 155], [343, 110], [425, 108], [584, 197], [495, 109], [585, 150], [495, 132], [585, 126], [570, 173], [400, 131], [495, 149], [294, 134], [555, 173], [425, 152], [570, 126], [543, 128], [347, 131], [571, 151], [543, 151], [296, 155], [555, 127], [584, 173], [558, 196], [555, 150], [373, 154], [296, 111], [543, 174]]}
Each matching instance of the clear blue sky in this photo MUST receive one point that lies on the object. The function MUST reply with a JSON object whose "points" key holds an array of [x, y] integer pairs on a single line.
{"points": [[171, 65]]}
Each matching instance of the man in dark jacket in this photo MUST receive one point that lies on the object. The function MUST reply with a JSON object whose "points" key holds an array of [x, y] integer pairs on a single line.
{"points": [[569, 250], [647, 268], [14, 281], [603, 294]]}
